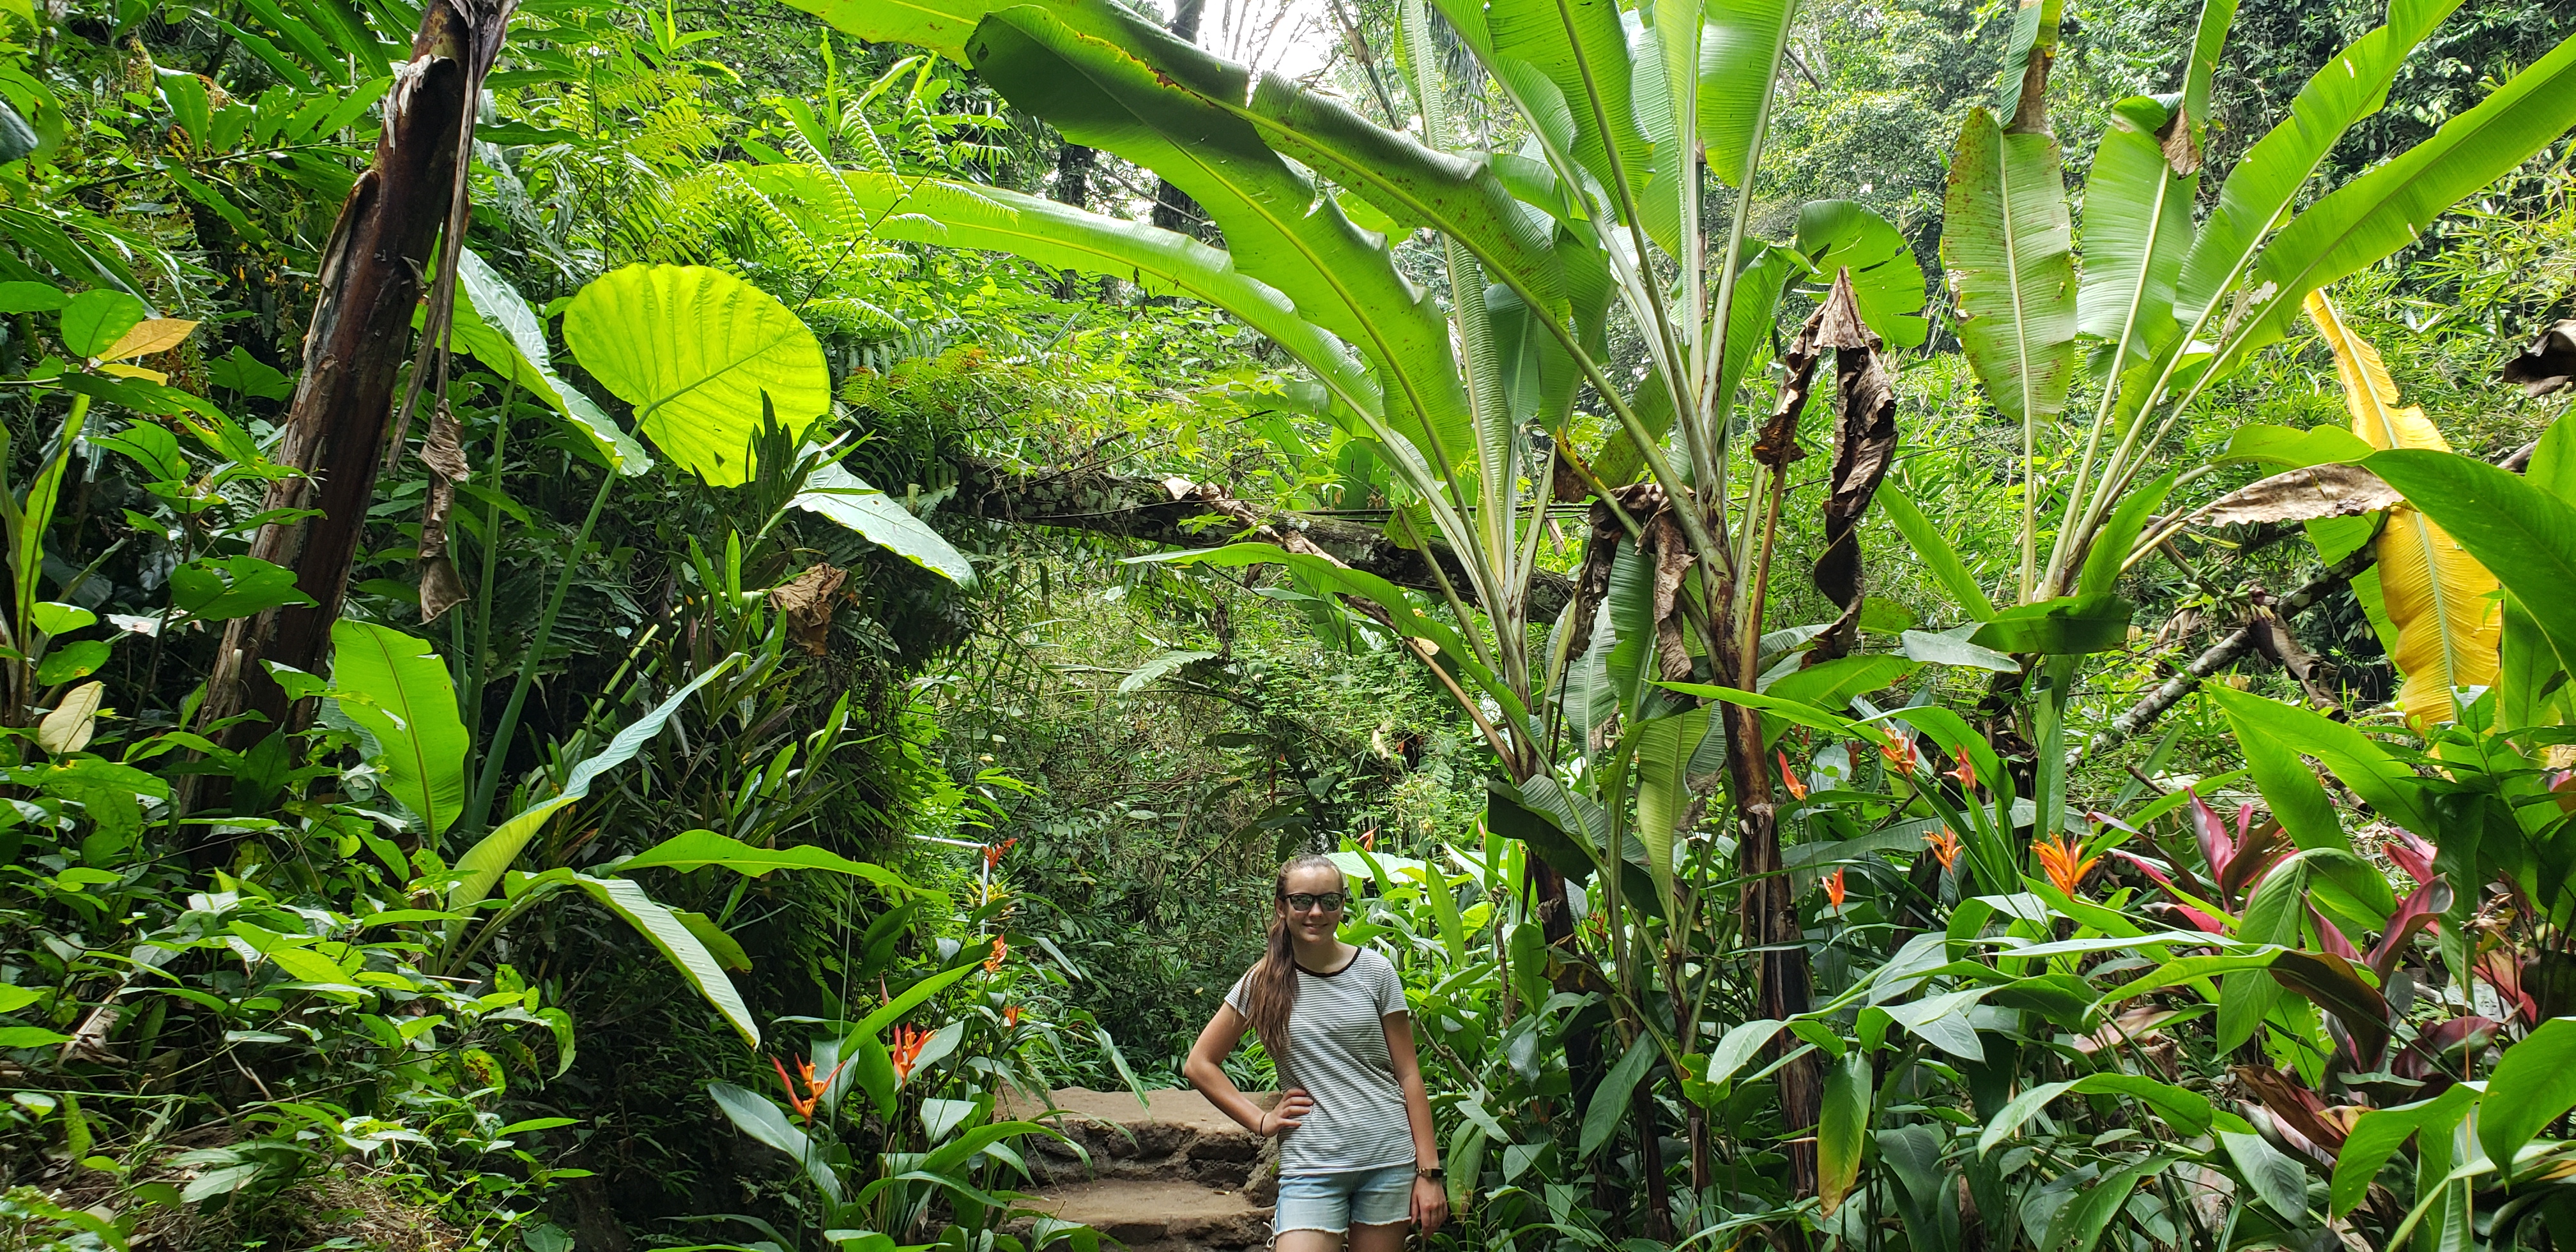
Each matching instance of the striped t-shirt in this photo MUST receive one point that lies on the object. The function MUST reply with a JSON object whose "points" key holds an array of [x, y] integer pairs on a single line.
{"points": [[1337, 1052]]}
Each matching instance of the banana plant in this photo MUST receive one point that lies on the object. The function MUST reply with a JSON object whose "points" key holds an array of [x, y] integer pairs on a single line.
{"points": [[2158, 308], [1596, 216]]}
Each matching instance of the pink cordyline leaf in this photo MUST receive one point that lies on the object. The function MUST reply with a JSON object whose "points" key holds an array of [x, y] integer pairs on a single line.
{"points": [[2422, 908], [2499, 969], [2330, 938], [2466, 1035], [2411, 854], [2200, 920]]}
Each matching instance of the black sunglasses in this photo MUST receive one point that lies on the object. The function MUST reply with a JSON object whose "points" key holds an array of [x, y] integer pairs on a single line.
{"points": [[1330, 901]]}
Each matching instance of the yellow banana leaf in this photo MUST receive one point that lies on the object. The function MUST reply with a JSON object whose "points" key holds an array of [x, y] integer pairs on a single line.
{"points": [[2443, 603]]}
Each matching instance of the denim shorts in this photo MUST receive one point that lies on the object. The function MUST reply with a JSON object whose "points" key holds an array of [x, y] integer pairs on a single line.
{"points": [[1334, 1202]]}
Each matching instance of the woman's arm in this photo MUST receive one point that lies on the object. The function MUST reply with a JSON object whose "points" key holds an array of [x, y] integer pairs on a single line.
{"points": [[1206, 1071], [1430, 1199]]}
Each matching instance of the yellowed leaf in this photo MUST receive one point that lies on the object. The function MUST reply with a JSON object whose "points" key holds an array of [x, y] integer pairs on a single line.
{"points": [[67, 729], [134, 371], [158, 334], [2443, 603]]}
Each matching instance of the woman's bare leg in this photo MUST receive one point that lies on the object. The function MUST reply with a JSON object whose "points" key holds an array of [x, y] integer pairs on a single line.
{"points": [[1315, 1241], [1386, 1238]]}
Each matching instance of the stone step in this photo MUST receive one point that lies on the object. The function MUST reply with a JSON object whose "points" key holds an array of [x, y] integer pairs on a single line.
{"points": [[1161, 1215], [1174, 1136], [1172, 1174]]}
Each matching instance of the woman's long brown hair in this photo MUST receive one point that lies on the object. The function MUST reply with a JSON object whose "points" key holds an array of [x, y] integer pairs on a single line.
{"points": [[1270, 990]]}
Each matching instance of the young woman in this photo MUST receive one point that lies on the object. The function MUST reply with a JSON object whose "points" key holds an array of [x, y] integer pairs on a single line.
{"points": [[1357, 1153]]}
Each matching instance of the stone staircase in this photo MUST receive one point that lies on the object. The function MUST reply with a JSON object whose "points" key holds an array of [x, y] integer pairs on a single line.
{"points": [[1170, 1175]]}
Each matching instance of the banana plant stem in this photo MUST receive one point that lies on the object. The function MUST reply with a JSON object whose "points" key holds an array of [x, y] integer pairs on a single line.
{"points": [[496, 756]]}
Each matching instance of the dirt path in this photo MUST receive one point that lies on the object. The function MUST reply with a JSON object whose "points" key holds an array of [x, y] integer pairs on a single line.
{"points": [[1172, 1175]]}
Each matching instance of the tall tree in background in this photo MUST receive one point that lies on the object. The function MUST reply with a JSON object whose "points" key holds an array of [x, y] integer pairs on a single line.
{"points": [[1173, 207]]}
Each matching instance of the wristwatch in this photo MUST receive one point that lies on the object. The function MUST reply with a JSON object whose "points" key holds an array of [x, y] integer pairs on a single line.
{"points": [[1433, 1173]]}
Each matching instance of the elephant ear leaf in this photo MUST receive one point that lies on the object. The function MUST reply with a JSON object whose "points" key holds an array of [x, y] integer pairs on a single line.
{"points": [[2440, 599], [694, 350], [409, 704]]}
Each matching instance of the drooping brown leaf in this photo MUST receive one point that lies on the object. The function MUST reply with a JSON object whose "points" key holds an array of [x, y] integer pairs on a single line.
{"points": [[1777, 445], [1864, 446], [2549, 364], [1673, 560], [2301, 495], [368, 281], [1601, 551], [808, 600], [441, 586]]}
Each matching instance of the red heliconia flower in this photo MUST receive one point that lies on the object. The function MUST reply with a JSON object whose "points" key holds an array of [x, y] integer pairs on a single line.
{"points": [[804, 1106], [1789, 777], [993, 852], [1834, 888], [1898, 751], [1966, 772]]}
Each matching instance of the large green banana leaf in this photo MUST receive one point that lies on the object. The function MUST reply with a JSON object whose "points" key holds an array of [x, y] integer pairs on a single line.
{"points": [[2137, 226], [2267, 178], [2374, 215], [1739, 61], [1413, 185], [2008, 244], [1278, 226], [1061, 237], [1578, 48]]}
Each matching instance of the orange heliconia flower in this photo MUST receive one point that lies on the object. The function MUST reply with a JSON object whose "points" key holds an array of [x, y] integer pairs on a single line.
{"points": [[2064, 860], [805, 1106], [906, 1050], [1945, 846], [1966, 773], [1834, 888], [993, 852], [1789, 777], [1001, 948], [1898, 751], [1010, 1017]]}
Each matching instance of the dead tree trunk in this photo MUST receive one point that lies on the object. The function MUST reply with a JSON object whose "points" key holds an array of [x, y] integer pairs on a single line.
{"points": [[371, 279]]}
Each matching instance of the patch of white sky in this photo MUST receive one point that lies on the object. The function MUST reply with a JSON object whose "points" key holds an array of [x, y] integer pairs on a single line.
{"points": [[1291, 38]]}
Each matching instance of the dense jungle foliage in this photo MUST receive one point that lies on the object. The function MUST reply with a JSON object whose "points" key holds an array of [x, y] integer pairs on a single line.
{"points": [[1928, 624]]}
